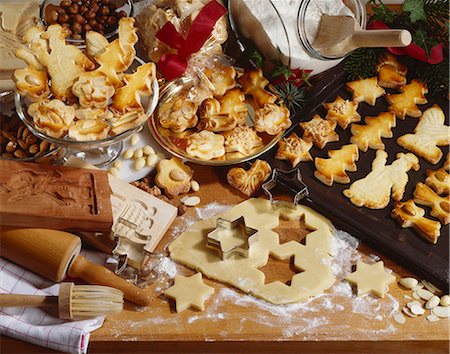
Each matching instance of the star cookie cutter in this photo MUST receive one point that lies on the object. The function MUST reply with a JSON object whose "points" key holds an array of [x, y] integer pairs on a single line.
{"points": [[289, 180], [231, 238]]}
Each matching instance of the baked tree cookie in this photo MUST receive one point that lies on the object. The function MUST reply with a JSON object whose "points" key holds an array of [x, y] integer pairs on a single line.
{"points": [[173, 176], [429, 133], [189, 292], [440, 206], [369, 135], [242, 139], [408, 214], [206, 145], [366, 90], [248, 182], [371, 278], [438, 180], [319, 131], [405, 103], [334, 169], [374, 190], [344, 112], [294, 149]]}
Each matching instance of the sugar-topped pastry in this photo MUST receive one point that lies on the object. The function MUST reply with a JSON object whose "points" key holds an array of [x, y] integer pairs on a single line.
{"points": [[319, 131], [294, 149], [344, 112], [242, 139], [178, 113], [206, 145]]}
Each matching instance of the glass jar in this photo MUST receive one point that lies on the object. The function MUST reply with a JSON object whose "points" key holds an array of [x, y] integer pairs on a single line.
{"points": [[284, 30]]}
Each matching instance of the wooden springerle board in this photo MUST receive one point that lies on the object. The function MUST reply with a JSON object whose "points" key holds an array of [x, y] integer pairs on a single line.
{"points": [[54, 197]]}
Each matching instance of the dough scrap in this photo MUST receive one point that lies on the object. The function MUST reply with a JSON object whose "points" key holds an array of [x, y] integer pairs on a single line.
{"points": [[189, 292], [313, 258]]}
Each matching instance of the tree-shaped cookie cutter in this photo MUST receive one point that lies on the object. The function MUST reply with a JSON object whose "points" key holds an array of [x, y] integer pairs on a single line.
{"points": [[289, 180]]}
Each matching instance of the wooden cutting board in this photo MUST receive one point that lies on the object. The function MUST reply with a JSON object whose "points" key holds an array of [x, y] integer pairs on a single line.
{"points": [[54, 197]]}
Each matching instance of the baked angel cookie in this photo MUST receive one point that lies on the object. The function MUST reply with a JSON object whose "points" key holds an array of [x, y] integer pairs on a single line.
{"points": [[439, 181], [391, 73], [173, 176], [222, 79], [440, 206], [374, 190], [253, 83], [405, 103], [206, 145], [179, 113], [319, 131], [369, 135], [408, 214], [294, 149], [429, 133], [89, 130], [242, 139], [342, 111], [93, 90], [334, 168], [54, 117], [272, 119], [233, 103], [366, 90], [248, 182], [212, 118]]}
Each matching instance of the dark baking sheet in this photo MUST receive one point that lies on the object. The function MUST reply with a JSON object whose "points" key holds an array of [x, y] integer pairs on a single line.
{"points": [[374, 227]]}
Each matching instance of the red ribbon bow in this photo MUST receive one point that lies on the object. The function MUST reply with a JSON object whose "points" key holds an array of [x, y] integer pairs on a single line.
{"points": [[174, 65], [413, 50]]}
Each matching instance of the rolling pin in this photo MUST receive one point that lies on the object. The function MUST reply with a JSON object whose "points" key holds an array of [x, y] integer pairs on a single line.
{"points": [[55, 254]]}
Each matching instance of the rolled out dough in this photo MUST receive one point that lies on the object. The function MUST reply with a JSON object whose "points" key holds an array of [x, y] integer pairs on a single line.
{"points": [[313, 259]]}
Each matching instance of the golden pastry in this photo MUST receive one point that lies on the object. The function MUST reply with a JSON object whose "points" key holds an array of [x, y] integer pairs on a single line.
{"points": [[242, 139], [173, 176], [93, 90], [206, 145], [294, 149], [272, 119], [89, 130], [319, 131]]}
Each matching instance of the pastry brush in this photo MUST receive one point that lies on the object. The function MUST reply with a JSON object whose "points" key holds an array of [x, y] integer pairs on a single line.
{"points": [[73, 301]]}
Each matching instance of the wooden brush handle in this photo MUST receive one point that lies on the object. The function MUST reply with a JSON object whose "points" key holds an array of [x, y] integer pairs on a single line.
{"points": [[96, 274], [381, 38], [16, 300]]}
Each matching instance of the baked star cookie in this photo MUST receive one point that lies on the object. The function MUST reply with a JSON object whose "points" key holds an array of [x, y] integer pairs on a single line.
{"points": [[371, 278], [447, 162], [242, 139], [319, 131], [366, 90], [248, 182], [206, 145], [408, 214], [374, 190], [342, 111], [439, 181], [369, 135], [429, 133], [294, 149], [440, 206], [173, 176], [253, 83], [334, 169], [405, 103]]}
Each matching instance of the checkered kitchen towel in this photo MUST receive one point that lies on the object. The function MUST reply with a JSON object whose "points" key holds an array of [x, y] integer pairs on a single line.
{"points": [[35, 325]]}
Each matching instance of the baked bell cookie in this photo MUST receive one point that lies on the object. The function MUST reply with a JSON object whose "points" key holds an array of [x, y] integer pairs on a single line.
{"points": [[408, 214], [334, 168], [391, 73], [405, 103], [374, 191], [429, 133], [242, 139], [369, 135], [319, 131], [206, 145], [366, 90], [344, 112], [294, 149], [248, 182], [173, 176], [272, 119], [53, 117]]}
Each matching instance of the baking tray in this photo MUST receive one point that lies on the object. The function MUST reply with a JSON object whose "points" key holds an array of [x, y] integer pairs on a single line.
{"points": [[374, 227]]}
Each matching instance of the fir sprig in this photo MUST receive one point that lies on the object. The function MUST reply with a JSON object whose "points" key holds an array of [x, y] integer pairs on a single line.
{"points": [[291, 96], [362, 62]]}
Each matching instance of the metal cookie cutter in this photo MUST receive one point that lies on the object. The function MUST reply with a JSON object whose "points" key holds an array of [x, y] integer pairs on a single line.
{"points": [[289, 180]]}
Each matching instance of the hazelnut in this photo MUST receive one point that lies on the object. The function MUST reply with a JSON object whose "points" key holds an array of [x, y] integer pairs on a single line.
{"points": [[84, 9], [74, 8], [52, 16], [79, 19], [90, 15], [122, 14], [65, 3], [104, 10], [111, 21], [105, 2], [60, 10], [76, 28], [93, 23], [94, 7], [100, 28], [63, 18], [87, 27], [102, 19]]}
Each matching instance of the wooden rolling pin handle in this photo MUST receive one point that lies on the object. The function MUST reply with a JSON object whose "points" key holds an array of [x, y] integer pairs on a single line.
{"points": [[98, 275], [17, 300], [381, 38]]}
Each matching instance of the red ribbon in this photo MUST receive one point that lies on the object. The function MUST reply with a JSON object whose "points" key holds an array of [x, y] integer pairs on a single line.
{"points": [[413, 50], [174, 65]]}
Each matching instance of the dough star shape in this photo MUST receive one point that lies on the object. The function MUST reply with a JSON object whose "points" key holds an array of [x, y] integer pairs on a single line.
{"points": [[371, 278], [189, 292], [312, 260]]}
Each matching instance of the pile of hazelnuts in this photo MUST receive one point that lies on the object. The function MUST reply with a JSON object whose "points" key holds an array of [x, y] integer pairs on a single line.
{"points": [[80, 16]]}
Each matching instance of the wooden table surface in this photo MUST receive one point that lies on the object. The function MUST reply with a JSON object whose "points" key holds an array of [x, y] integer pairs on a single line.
{"points": [[334, 322]]}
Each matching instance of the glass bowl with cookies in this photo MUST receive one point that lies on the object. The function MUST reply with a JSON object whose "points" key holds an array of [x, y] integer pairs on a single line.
{"points": [[87, 101], [228, 117]]}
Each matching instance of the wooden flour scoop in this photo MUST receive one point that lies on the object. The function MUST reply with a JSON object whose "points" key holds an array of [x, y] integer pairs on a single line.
{"points": [[339, 35], [55, 254]]}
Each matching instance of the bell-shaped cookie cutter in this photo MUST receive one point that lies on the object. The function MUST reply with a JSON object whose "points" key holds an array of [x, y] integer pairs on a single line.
{"points": [[289, 180]]}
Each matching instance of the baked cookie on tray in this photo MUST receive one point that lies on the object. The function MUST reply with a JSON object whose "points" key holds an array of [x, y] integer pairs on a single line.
{"points": [[405, 103], [319, 131], [344, 112], [294, 149], [369, 135], [366, 90]]}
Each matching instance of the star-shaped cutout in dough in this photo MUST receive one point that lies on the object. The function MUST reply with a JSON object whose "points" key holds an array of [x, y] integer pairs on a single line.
{"points": [[319, 131], [294, 149], [371, 278], [231, 237], [366, 90], [189, 292], [343, 112]]}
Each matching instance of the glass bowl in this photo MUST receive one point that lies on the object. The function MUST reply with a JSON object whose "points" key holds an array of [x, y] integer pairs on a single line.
{"points": [[122, 5], [175, 143], [101, 152]]}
